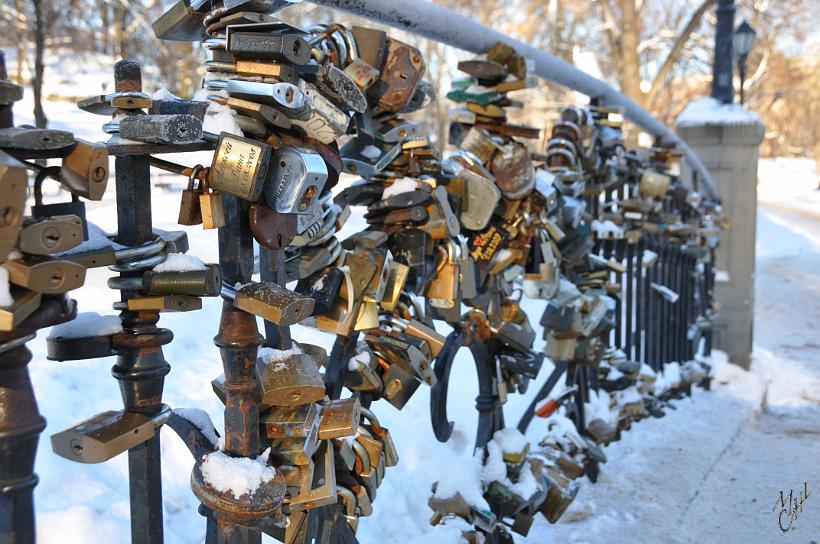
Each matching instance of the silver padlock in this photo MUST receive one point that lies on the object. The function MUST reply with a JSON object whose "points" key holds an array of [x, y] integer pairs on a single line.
{"points": [[296, 180]]}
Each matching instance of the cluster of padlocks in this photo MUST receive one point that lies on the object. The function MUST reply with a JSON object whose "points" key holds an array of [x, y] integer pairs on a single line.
{"points": [[459, 240]]}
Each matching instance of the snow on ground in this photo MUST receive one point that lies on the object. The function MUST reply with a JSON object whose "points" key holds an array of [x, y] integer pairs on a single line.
{"points": [[710, 470]]}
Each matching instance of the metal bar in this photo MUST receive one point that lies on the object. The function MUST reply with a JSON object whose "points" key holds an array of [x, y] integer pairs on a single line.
{"points": [[630, 301], [141, 367], [446, 26], [640, 302]]}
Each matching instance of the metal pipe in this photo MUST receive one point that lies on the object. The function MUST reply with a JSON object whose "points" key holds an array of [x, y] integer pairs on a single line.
{"points": [[446, 26]]}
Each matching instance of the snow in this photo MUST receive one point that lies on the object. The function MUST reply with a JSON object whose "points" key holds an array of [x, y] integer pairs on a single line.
{"points": [[87, 324], [180, 262], [239, 475], [6, 299], [606, 227], [649, 258], [463, 476], [201, 420], [275, 358], [97, 239], [511, 440], [360, 360], [220, 118], [710, 111], [526, 486], [403, 185], [371, 152], [495, 469], [164, 94]]}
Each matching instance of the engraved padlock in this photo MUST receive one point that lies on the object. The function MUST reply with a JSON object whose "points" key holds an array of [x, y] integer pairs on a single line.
{"points": [[296, 180], [240, 166]]}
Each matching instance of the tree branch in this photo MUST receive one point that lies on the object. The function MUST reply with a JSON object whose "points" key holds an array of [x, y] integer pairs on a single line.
{"points": [[677, 48]]}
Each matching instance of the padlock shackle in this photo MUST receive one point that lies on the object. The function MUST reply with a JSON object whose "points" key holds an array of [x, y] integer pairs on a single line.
{"points": [[52, 172]]}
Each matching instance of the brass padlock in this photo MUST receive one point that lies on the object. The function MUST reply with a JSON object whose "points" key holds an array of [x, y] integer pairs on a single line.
{"points": [[84, 171], [107, 435], [25, 302], [165, 303], [14, 188], [240, 166], [288, 378], [45, 274], [189, 207], [211, 207], [443, 289], [339, 418], [52, 235], [396, 279], [274, 303]]}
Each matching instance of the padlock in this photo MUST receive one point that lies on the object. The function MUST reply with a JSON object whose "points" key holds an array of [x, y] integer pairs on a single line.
{"points": [[381, 434], [487, 72], [303, 263], [340, 88], [195, 283], [53, 235], [339, 418], [190, 212], [273, 303], [442, 291], [211, 207], [399, 385], [35, 143], [288, 378], [300, 421], [270, 228], [362, 73], [400, 73], [161, 129], [513, 170], [183, 21], [322, 490], [468, 283], [84, 171], [321, 119], [45, 275], [165, 303], [363, 375], [396, 280], [107, 435], [25, 303], [297, 178], [14, 188], [242, 68], [44, 211], [240, 167], [654, 184], [417, 329], [482, 197], [288, 48]]}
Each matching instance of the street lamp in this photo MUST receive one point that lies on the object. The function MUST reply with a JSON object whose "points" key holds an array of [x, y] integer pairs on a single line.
{"points": [[743, 39]]}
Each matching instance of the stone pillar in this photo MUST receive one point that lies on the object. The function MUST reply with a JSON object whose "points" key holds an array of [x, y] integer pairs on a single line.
{"points": [[730, 152]]}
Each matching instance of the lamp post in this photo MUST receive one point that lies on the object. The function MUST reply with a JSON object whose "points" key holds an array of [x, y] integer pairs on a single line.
{"points": [[722, 68], [742, 40]]}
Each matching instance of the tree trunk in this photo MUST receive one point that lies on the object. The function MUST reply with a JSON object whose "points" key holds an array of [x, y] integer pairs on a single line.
{"points": [[631, 65], [39, 49], [122, 34], [106, 27]]}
